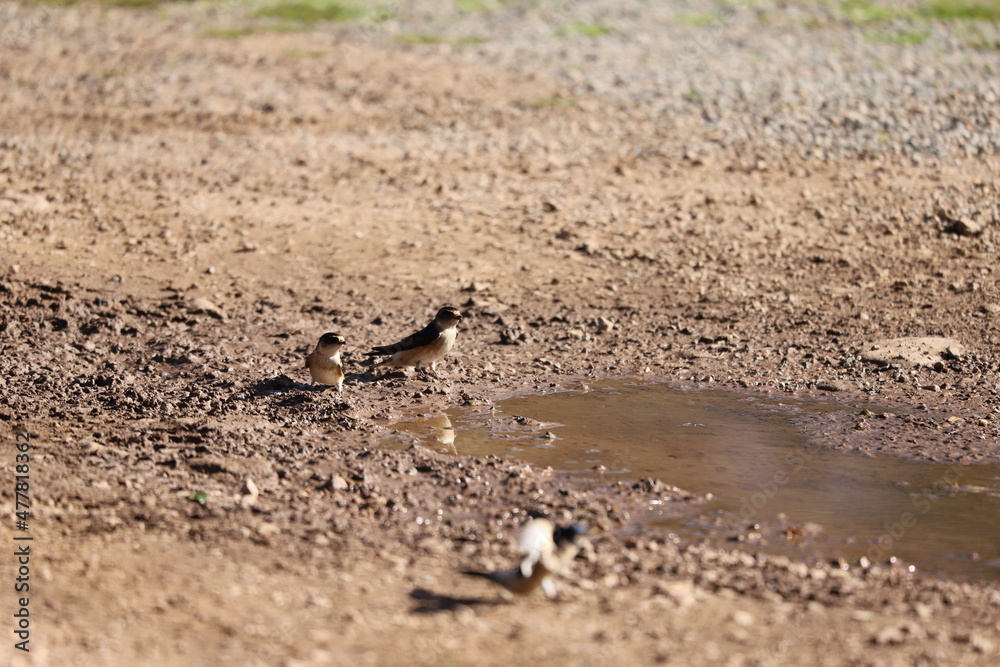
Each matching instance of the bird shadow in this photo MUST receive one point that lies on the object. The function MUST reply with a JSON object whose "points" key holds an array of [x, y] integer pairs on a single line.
{"points": [[364, 377], [280, 384], [429, 602]]}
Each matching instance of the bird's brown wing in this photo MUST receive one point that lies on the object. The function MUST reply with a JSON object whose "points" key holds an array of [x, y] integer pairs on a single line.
{"points": [[425, 336]]}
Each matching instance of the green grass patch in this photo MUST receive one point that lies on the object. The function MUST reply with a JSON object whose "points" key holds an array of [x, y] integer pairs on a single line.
{"points": [[903, 38], [549, 102], [245, 31], [311, 11], [978, 36], [481, 6], [136, 4], [698, 19], [303, 53], [951, 10], [587, 29], [863, 12], [228, 33], [381, 13], [423, 38], [420, 38]]}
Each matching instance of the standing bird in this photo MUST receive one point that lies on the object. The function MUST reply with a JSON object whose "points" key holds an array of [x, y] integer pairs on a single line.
{"points": [[427, 346], [324, 363], [548, 548]]}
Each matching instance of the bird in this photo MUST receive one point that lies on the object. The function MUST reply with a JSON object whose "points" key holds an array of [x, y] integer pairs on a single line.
{"points": [[324, 363], [548, 550], [425, 347]]}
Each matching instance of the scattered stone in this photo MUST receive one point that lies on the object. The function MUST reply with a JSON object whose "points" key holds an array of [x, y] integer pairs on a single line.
{"points": [[924, 612], [250, 493], [916, 351], [981, 644], [953, 352], [19, 204], [976, 640], [683, 592], [266, 529], [959, 224], [514, 336], [834, 385], [203, 305], [249, 488], [889, 636]]}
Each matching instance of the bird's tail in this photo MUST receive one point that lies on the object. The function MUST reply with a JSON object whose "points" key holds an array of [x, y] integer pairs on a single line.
{"points": [[474, 573], [381, 350]]}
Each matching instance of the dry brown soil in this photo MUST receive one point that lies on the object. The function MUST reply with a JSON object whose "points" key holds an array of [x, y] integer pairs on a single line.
{"points": [[183, 216]]}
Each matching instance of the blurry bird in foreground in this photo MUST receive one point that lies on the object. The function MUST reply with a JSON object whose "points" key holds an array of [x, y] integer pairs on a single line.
{"points": [[548, 550]]}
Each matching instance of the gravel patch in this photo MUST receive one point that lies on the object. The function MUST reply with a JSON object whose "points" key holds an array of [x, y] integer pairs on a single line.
{"points": [[802, 78]]}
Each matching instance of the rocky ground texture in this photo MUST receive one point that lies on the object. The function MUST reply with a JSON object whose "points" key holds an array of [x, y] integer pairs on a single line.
{"points": [[794, 200]]}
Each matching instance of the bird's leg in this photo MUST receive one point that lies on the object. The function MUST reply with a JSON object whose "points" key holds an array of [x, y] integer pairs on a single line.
{"points": [[421, 367]]}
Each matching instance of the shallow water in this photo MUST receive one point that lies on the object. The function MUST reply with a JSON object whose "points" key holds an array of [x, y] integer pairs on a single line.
{"points": [[747, 453]]}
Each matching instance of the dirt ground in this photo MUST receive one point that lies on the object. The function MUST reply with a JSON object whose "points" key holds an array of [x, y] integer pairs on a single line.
{"points": [[183, 216]]}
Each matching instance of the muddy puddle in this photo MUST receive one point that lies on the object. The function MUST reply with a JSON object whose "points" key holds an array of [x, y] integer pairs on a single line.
{"points": [[769, 489]]}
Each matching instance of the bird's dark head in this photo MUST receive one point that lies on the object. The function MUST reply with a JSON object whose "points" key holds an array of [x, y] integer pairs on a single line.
{"points": [[568, 533], [330, 340], [448, 316]]}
